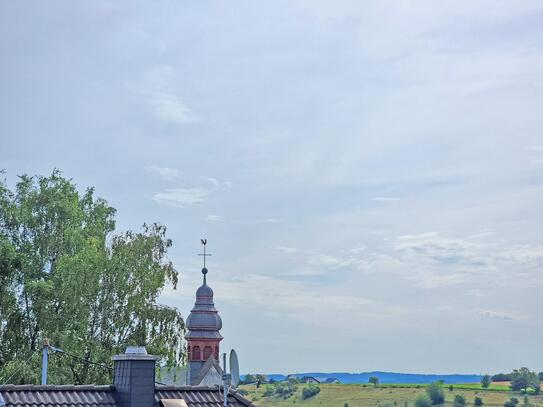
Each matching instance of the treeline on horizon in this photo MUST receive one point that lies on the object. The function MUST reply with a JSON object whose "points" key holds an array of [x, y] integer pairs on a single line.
{"points": [[401, 378]]}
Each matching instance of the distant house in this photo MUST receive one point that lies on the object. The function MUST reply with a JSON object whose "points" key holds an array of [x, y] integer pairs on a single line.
{"points": [[331, 380], [310, 379]]}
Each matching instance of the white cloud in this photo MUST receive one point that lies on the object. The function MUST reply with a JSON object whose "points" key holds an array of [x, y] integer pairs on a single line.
{"points": [[159, 90], [536, 149], [181, 197], [431, 260], [385, 199], [287, 250], [213, 218], [500, 315], [270, 220], [299, 301], [166, 173], [312, 262]]}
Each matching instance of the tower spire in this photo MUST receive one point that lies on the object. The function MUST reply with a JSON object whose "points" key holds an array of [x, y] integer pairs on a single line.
{"points": [[203, 330], [204, 254]]}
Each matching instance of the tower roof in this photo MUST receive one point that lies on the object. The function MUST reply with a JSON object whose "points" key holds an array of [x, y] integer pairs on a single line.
{"points": [[204, 321]]}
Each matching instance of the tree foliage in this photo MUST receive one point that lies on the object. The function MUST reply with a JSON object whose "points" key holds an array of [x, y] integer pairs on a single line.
{"points": [[423, 400], [523, 378], [486, 380], [373, 380], [310, 391], [459, 400], [436, 393], [512, 402], [501, 377], [65, 275]]}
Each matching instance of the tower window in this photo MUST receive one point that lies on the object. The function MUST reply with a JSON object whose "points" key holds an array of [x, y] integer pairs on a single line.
{"points": [[207, 352], [196, 353]]}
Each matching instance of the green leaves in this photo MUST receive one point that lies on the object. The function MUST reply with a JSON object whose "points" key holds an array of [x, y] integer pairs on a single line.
{"points": [[66, 277]]}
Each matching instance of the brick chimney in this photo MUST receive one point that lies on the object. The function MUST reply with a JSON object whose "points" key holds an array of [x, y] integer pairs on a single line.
{"points": [[134, 377]]}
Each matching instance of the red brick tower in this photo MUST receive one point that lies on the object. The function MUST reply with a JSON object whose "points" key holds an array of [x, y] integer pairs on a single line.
{"points": [[203, 336]]}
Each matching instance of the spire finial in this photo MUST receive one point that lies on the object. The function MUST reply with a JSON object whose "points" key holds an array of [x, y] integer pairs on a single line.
{"points": [[204, 254]]}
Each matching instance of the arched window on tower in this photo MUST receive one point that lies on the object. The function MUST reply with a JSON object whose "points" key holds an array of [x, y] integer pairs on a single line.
{"points": [[207, 352], [217, 352], [196, 353]]}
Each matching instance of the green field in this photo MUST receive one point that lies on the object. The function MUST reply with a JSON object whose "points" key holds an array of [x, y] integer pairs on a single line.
{"points": [[357, 395]]}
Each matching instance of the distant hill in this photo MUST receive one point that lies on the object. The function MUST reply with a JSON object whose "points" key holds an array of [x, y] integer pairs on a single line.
{"points": [[387, 377]]}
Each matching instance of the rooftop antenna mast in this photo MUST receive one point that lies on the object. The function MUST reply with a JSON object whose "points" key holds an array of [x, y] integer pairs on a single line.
{"points": [[46, 348], [230, 380]]}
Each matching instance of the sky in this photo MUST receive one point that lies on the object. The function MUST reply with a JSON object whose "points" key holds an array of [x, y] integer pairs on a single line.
{"points": [[369, 175]]}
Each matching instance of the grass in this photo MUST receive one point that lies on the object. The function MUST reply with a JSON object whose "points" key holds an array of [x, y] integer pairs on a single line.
{"points": [[356, 395]]}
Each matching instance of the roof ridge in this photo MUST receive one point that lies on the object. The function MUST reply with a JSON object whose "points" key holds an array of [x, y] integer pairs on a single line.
{"points": [[55, 387]]}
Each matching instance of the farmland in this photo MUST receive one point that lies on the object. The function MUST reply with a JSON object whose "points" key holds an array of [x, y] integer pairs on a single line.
{"points": [[357, 395]]}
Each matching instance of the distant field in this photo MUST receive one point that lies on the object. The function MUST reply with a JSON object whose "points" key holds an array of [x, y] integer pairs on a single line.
{"points": [[357, 395]]}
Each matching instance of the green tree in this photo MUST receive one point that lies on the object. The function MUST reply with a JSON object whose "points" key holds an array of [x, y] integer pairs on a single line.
{"points": [[512, 402], [501, 377], [459, 400], [523, 378], [310, 391], [423, 400], [249, 378], [261, 378], [436, 393], [65, 275], [374, 380], [486, 380]]}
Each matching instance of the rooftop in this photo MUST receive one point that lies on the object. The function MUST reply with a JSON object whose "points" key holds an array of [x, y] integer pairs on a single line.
{"points": [[104, 396]]}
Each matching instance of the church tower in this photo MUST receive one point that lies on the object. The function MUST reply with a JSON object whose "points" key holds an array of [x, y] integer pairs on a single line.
{"points": [[203, 336]]}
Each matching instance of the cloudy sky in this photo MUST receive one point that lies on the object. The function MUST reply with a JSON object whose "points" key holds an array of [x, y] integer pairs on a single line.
{"points": [[369, 174]]}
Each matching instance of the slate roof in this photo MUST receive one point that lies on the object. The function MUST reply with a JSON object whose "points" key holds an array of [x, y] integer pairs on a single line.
{"points": [[104, 396], [57, 396], [201, 396], [208, 365]]}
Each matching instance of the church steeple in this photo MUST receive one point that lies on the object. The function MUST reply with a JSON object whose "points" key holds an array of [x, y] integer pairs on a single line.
{"points": [[203, 324]]}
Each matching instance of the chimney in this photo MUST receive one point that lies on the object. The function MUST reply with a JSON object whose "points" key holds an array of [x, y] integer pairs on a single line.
{"points": [[134, 377]]}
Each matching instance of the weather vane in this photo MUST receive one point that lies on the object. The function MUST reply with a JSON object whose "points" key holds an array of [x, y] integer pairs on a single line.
{"points": [[204, 254]]}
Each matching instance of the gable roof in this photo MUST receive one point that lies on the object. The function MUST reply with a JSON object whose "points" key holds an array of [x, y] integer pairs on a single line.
{"points": [[208, 365], [104, 396]]}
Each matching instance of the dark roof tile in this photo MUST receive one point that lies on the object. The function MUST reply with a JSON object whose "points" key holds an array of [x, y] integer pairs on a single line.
{"points": [[201, 396], [50, 396], [103, 396]]}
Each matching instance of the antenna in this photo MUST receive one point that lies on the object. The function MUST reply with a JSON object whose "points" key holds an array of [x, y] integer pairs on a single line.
{"points": [[230, 380], [225, 380], [44, 361], [234, 368]]}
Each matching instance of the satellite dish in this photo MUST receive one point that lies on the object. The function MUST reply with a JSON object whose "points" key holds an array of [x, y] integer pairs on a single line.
{"points": [[234, 368]]}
